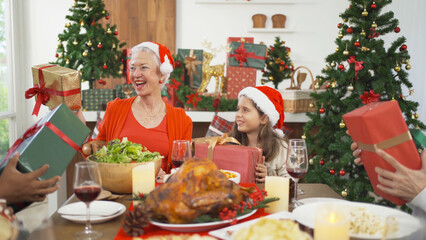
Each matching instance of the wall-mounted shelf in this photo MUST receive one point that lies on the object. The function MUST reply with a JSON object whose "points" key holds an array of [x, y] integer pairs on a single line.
{"points": [[246, 2], [271, 30], [204, 116]]}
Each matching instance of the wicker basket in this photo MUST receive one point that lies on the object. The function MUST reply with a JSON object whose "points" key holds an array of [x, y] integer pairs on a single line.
{"points": [[297, 100]]}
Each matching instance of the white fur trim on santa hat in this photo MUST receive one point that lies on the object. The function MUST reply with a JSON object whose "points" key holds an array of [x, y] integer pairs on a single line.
{"points": [[262, 101], [165, 67]]}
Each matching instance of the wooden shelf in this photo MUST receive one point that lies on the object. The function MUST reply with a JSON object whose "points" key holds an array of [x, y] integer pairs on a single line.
{"points": [[271, 30], [204, 116], [246, 2]]}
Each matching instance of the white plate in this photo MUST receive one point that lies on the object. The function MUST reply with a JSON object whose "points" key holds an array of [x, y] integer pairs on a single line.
{"points": [[236, 179], [319, 199], [407, 224], [107, 209], [223, 233], [197, 227]]}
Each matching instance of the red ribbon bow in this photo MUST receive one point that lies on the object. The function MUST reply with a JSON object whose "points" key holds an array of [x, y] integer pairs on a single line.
{"points": [[358, 65], [33, 130], [373, 33], [241, 55]]}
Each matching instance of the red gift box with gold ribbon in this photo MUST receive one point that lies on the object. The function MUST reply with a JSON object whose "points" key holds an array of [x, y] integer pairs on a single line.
{"points": [[54, 85], [381, 125]]}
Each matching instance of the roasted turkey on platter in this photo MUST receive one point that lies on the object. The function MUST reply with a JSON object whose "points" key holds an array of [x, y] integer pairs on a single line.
{"points": [[197, 188]]}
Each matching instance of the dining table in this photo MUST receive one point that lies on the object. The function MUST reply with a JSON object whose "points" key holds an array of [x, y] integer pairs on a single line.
{"points": [[65, 229]]}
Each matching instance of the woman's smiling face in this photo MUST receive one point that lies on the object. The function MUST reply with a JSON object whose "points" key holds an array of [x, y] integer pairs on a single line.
{"points": [[145, 73]]}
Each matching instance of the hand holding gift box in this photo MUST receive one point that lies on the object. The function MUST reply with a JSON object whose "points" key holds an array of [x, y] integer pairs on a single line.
{"points": [[54, 85], [380, 125]]}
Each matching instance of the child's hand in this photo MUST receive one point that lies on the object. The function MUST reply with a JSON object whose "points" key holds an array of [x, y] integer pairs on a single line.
{"points": [[261, 172]]}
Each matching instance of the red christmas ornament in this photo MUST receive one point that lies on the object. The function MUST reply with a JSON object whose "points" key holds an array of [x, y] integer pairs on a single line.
{"points": [[122, 59], [342, 172], [349, 30], [403, 47], [116, 33], [100, 45], [357, 44], [332, 172], [93, 23], [56, 55], [285, 67], [322, 110], [397, 29], [322, 162], [292, 68], [341, 67], [107, 17], [327, 86], [178, 63], [272, 49], [339, 25], [102, 82], [282, 63], [104, 66], [373, 5]]}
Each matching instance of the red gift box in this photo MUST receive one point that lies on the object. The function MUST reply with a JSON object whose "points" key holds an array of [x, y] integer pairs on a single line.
{"points": [[236, 158], [239, 77], [381, 125]]}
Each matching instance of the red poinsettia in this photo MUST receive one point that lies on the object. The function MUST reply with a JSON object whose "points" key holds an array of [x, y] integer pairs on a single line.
{"points": [[175, 84], [193, 99], [216, 103], [369, 97]]}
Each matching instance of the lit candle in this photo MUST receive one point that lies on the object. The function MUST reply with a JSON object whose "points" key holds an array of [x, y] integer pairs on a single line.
{"points": [[143, 178], [331, 223], [277, 187]]}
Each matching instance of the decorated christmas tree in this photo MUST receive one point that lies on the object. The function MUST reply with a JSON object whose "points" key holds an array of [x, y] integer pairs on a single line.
{"points": [[361, 70], [88, 46], [278, 63]]}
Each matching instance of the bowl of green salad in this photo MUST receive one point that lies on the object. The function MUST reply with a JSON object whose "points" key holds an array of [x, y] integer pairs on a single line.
{"points": [[116, 161]]}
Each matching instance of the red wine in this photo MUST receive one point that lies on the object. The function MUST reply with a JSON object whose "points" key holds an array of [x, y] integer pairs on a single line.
{"points": [[296, 172], [177, 163], [87, 193]]}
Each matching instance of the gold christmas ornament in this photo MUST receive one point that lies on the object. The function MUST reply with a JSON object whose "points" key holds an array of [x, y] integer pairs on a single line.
{"points": [[345, 20], [270, 63], [61, 55], [75, 42], [411, 92], [311, 161], [374, 25], [113, 45], [408, 66], [85, 53], [333, 85], [403, 61], [350, 88], [397, 68], [311, 105], [262, 82], [89, 43], [109, 31], [365, 49], [363, 33], [59, 44], [346, 52], [86, 7], [413, 116], [340, 35], [317, 86], [271, 78], [416, 115], [82, 23], [342, 124], [344, 193], [365, 13], [103, 12], [326, 68], [333, 64], [337, 49], [304, 137]]}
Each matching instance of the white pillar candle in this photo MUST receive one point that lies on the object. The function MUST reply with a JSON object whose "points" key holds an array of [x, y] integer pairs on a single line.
{"points": [[277, 187], [331, 223], [143, 178]]}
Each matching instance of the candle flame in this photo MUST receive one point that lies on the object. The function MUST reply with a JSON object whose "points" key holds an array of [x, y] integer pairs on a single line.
{"points": [[332, 217]]}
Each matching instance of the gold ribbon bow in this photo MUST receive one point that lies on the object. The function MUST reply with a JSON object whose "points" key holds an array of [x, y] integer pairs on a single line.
{"points": [[191, 66], [213, 141], [391, 142]]}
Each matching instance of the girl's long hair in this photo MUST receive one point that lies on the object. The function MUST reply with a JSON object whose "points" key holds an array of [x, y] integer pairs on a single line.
{"points": [[267, 139]]}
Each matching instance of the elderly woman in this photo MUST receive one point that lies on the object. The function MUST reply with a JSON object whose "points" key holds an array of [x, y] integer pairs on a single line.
{"points": [[146, 119]]}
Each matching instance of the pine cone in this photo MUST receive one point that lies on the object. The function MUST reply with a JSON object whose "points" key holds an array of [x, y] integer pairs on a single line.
{"points": [[135, 221]]}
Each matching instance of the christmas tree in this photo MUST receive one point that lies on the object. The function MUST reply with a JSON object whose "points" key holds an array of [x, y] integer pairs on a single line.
{"points": [[361, 70], [86, 45], [278, 63]]}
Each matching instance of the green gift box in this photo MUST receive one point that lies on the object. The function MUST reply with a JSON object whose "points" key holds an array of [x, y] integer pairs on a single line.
{"points": [[419, 138], [193, 60], [125, 91], [53, 140], [97, 99], [247, 55]]}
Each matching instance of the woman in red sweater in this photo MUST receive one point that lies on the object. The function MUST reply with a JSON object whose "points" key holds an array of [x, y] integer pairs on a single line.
{"points": [[146, 119]]}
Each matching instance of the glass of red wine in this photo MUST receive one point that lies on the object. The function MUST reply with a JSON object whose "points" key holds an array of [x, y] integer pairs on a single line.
{"points": [[297, 164], [87, 187], [181, 150]]}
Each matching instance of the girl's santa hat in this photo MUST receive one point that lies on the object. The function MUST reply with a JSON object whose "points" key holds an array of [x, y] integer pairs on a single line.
{"points": [[167, 63], [270, 102]]}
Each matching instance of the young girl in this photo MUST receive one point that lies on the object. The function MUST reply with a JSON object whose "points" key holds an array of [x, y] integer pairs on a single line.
{"points": [[258, 123]]}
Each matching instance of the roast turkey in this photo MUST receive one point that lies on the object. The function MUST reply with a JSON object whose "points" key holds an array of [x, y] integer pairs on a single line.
{"points": [[197, 188]]}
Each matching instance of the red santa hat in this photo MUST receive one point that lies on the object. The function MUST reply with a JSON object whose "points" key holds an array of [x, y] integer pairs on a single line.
{"points": [[167, 63], [270, 102]]}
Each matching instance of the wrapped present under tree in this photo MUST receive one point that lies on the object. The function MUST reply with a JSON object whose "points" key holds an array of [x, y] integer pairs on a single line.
{"points": [[97, 99], [193, 66], [247, 55], [125, 91], [54, 85]]}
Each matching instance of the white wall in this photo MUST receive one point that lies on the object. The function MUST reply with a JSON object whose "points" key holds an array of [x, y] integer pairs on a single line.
{"points": [[315, 26]]}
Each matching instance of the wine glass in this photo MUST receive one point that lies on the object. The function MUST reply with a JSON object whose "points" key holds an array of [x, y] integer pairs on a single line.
{"points": [[87, 186], [181, 150], [297, 163]]}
